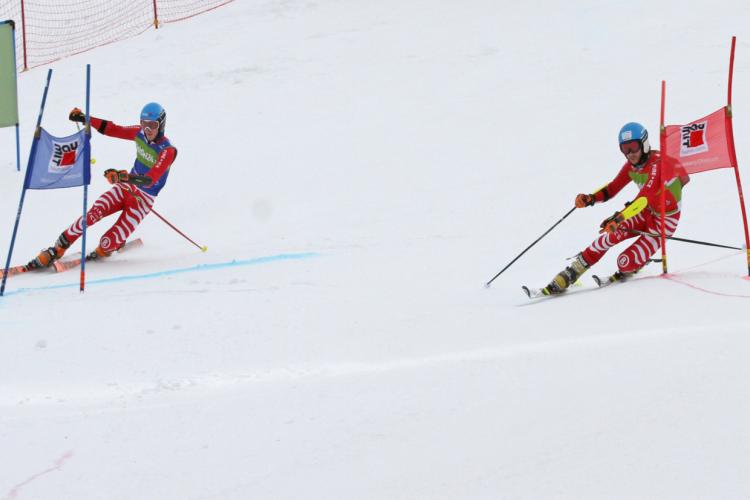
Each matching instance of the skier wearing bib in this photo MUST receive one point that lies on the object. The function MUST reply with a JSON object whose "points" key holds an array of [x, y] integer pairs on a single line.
{"points": [[132, 194], [642, 214]]}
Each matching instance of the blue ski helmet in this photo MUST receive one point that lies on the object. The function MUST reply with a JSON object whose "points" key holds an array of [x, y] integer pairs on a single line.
{"points": [[153, 111], [634, 132]]}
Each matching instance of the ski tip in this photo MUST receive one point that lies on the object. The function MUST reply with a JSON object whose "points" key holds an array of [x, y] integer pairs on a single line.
{"points": [[12, 271], [536, 293]]}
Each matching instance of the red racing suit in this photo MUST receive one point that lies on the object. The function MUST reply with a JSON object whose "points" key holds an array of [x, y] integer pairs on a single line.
{"points": [[646, 176], [133, 203]]}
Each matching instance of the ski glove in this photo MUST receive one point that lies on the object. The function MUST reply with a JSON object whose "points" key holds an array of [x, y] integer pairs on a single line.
{"points": [[611, 224], [76, 115], [115, 176], [584, 200]]}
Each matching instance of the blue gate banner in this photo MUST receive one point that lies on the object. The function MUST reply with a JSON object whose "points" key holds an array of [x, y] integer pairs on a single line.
{"points": [[58, 162]]}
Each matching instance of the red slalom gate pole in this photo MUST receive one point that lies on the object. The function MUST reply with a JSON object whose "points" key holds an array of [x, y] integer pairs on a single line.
{"points": [[663, 197], [733, 153]]}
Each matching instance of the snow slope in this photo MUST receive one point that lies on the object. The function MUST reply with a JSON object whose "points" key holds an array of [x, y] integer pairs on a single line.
{"points": [[358, 171]]}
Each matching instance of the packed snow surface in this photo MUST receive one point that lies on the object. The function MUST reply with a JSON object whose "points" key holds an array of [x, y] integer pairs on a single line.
{"points": [[358, 171]]}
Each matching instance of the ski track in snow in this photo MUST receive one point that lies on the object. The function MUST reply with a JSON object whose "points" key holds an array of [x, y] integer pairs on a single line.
{"points": [[80, 394], [418, 146], [680, 281], [13, 493], [160, 274]]}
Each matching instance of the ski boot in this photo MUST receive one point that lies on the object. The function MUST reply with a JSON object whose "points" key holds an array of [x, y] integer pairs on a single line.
{"points": [[49, 255], [98, 253], [617, 276], [567, 276]]}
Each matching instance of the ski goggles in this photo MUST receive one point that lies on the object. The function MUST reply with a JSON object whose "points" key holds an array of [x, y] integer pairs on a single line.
{"points": [[630, 147], [149, 125]]}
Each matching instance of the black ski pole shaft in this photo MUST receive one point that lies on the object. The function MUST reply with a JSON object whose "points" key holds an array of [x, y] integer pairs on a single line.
{"points": [[528, 247], [684, 240]]}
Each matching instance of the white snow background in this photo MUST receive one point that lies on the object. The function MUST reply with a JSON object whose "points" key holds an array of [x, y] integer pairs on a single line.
{"points": [[401, 153]]}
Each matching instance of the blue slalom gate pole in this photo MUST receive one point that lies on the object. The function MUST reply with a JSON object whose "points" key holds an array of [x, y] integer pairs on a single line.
{"points": [[32, 154], [86, 176]]}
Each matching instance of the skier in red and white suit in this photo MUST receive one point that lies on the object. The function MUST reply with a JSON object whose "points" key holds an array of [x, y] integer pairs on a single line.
{"points": [[644, 214], [132, 193]]}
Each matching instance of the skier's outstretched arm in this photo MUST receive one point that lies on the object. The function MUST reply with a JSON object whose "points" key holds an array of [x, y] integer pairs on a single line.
{"points": [[606, 192], [106, 127]]}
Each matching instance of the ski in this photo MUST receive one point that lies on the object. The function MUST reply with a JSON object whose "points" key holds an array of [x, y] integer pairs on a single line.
{"points": [[601, 282], [615, 278], [12, 271], [538, 293], [63, 265], [534, 293]]}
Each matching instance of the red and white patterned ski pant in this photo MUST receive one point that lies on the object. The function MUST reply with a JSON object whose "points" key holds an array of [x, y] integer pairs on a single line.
{"points": [[636, 255], [131, 201]]}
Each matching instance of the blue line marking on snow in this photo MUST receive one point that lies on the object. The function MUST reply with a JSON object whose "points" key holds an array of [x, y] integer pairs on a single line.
{"points": [[170, 272]]}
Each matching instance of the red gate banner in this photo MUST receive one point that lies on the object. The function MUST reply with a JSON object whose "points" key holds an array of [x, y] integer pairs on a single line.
{"points": [[701, 145]]}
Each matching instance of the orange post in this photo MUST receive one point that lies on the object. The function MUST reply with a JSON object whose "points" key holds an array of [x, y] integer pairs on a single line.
{"points": [[156, 16]]}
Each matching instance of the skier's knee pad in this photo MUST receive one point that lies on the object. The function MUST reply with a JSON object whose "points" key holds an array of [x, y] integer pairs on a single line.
{"points": [[107, 244], [627, 262]]}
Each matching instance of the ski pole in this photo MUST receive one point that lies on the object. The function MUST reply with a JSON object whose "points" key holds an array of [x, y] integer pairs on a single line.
{"points": [[644, 233], [202, 248], [487, 285]]}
